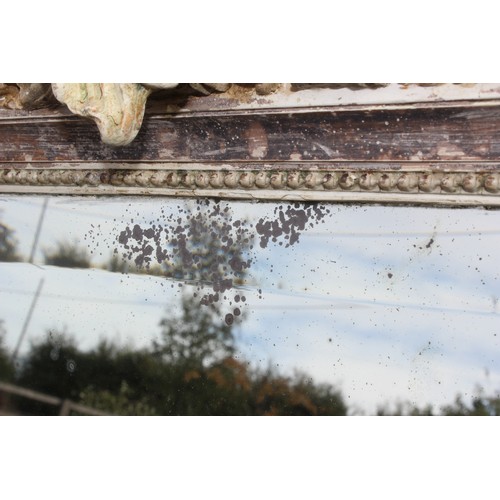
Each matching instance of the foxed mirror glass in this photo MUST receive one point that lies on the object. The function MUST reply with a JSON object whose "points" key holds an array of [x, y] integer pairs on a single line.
{"points": [[161, 306]]}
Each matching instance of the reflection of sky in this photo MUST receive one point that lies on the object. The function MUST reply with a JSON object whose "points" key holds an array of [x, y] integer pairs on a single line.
{"points": [[385, 302]]}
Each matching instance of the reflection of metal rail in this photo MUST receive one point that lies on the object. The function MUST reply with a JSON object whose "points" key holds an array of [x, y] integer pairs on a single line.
{"points": [[66, 406]]}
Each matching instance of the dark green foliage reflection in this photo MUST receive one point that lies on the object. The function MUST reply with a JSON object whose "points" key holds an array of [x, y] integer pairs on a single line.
{"points": [[202, 378]]}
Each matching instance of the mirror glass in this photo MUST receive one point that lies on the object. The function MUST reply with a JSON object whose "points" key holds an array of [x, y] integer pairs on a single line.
{"points": [[161, 306]]}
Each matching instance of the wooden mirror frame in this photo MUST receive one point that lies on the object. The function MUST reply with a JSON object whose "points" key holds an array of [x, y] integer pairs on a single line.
{"points": [[376, 143]]}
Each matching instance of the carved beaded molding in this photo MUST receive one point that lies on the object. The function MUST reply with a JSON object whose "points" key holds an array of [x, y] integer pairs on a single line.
{"points": [[445, 174], [385, 186]]}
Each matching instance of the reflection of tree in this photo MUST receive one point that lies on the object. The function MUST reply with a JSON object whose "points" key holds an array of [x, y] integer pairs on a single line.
{"points": [[127, 381], [116, 403], [117, 265], [405, 408], [8, 244], [278, 395], [6, 366], [480, 405], [49, 367], [67, 254], [141, 382], [205, 247], [6, 371], [194, 338], [210, 248], [58, 367]]}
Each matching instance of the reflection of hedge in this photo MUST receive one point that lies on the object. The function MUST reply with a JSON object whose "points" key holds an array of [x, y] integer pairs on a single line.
{"points": [[8, 245], [480, 405], [67, 254], [121, 403]]}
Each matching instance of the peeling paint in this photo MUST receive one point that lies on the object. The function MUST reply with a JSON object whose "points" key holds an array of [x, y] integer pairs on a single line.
{"points": [[257, 140]]}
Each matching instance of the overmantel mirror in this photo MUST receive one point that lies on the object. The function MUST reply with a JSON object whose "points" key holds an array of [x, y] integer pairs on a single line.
{"points": [[249, 249]]}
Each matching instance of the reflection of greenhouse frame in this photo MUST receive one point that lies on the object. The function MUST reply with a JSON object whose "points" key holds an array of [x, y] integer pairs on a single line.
{"points": [[295, 144]]}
